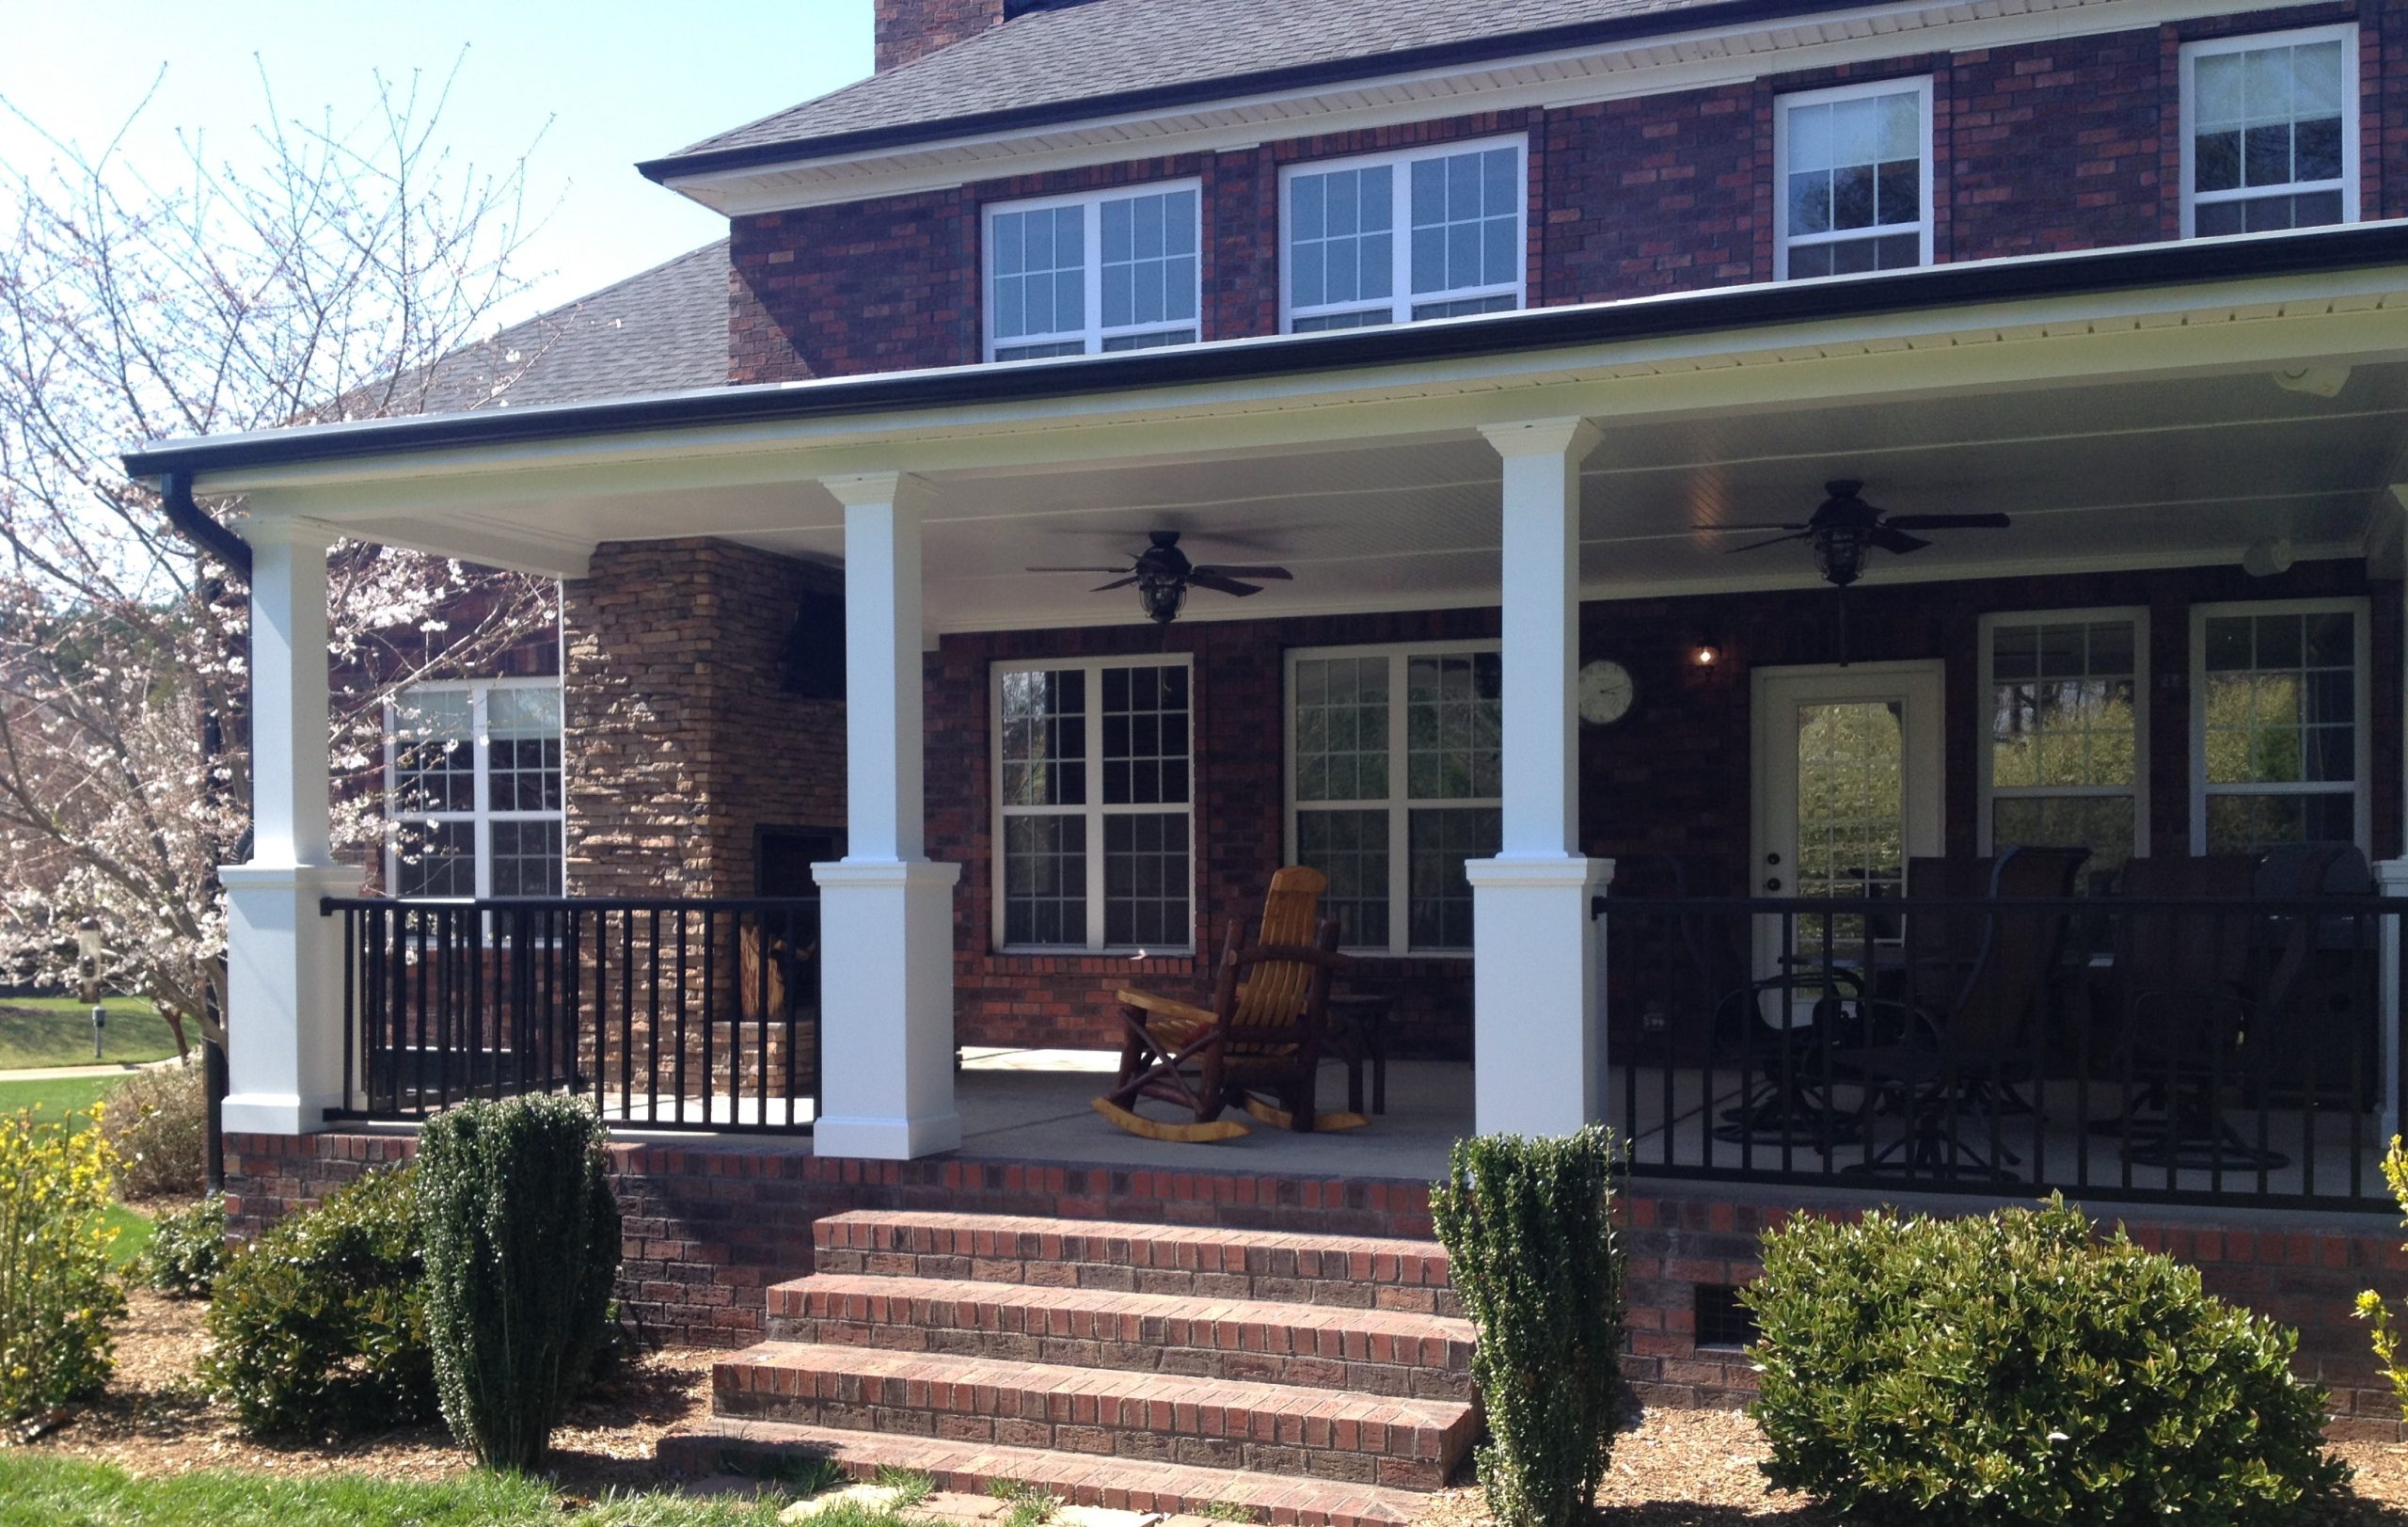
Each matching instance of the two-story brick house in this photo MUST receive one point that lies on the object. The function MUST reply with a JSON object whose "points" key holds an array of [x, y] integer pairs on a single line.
{"points": [[1510, 331]]}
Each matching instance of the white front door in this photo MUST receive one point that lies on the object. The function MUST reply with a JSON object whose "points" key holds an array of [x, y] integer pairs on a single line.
{"points": [[1848, 789]]}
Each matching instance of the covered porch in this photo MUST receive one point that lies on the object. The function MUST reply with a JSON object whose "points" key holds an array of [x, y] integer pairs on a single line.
{"points": [[1528, 493]]}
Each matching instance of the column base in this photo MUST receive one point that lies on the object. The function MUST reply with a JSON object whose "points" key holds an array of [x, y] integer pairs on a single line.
{"points": [[283, 997], [1534, 993], [886, 1008]]}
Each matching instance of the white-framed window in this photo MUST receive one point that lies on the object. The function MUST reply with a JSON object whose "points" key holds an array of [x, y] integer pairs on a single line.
{"points": [[1393, 756], [1428, 233], [2065, 760], [2278, 723], [1095, 841], [1104, 270], [472, 789], [1852, 177], [2269, 131]]}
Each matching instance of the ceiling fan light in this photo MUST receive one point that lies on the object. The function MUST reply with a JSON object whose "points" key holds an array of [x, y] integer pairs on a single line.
{"points": [[1162, 598], [1839, 556]]}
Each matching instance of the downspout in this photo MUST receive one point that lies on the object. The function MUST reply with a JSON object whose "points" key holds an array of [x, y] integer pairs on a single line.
{"points": [[213, 539]]}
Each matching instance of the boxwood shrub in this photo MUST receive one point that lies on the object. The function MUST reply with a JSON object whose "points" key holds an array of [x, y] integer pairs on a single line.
{"points": [[187, 1246], [2018, 1368], [320, 1325]]}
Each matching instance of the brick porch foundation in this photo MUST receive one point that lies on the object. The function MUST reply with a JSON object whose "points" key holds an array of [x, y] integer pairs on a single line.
{"points": [[712, 1223]]}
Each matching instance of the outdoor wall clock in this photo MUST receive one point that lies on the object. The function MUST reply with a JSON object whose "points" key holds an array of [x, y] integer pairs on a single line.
{"points": [[1606, 691]]}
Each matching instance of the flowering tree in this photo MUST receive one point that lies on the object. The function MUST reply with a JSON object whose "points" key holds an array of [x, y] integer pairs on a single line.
{"points": [[325, 278]]}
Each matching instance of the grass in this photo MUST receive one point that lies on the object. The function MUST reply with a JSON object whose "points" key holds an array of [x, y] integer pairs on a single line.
{"points": [[63, 1095], [58, 1031], [37, 1491]]}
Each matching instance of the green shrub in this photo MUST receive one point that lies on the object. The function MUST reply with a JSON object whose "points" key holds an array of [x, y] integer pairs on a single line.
{"points": [[2390, 1360], [320, 1325], [57, 1295], [522, 1247], [1530, 1247], [158, 1122], [187, 1246], [2014, 1368]]}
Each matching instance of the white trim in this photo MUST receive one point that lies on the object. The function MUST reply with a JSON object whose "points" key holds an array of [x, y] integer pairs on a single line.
{"points": [[2358, 607], [1399, 802], [1403, 299], [1917, 86], [1092, 334], [1984, 789], [1093, 810], [481, 814], [1676, 60], [2346, 33]]}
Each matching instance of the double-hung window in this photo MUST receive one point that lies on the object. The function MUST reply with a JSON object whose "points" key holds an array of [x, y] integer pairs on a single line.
{"points": [[1092, 773], [1077, 276], [2278, 723], [473, 790], [1393, 756], [1853, 168], [1429, 233], [2269, 131], [2068, 731]]}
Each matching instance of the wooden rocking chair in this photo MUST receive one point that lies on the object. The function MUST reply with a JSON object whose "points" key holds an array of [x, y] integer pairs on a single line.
{"points": [[1262, 1035]]}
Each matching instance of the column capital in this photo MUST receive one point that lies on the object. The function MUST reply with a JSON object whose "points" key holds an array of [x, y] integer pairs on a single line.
{"points": [[855, 489], [1573, 438], [287, 530]]}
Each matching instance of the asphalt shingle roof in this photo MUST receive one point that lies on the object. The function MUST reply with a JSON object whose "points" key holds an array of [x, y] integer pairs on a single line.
{"points": [[1055, 58]]}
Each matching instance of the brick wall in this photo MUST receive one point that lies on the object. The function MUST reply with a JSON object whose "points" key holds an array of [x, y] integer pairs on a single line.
{"points": [[2039, 148], [710, 1224], [680, 742], [906, 29]]}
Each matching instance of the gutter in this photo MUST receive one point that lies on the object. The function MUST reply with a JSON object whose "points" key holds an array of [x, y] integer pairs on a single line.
{"points": [[1765, 305], [175, 492]]}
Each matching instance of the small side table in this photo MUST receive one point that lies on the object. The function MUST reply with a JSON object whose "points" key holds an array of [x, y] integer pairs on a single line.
{"points": [[1358, 1024]]}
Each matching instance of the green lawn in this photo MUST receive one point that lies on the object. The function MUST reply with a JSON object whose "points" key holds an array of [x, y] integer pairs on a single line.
{"points": [[58, 1031], [38, 1491]]}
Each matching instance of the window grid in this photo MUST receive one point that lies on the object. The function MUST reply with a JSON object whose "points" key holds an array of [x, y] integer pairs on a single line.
{"points": [[2270, 131], [1094, 777], [1853, 180], [1434, 232], [1106, 271], [1392, 785], [2279, 702], [2062, 761], [473, 791]]}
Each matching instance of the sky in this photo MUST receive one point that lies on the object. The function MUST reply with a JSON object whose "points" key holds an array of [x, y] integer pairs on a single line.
{"points": [[605, 83]]}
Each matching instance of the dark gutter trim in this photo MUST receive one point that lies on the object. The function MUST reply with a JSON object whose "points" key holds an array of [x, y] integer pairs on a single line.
{"points": [[2193, 262], [1723, 16], [175, 492]]}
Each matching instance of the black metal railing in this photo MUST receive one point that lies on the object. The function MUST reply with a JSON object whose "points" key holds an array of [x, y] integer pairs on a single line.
{"points": [[2228, 1051], [667, 1013]]}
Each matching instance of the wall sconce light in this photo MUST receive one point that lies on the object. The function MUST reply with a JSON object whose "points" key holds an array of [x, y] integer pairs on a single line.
{"points": [[2268, 558], [1704, 652]]}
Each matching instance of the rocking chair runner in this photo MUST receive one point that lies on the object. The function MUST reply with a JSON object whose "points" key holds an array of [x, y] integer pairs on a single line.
{"points": [[1262, 1035]]}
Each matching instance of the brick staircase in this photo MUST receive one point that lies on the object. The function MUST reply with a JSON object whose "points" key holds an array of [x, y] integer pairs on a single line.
{"points": [[1321, 1380]]}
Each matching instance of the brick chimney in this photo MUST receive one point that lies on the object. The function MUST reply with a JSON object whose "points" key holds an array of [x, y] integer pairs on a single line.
{"points": [[908, 29]]}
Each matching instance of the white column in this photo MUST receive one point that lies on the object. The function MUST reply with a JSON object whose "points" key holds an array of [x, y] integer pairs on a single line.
{"points": [[1534, 959], [885, 911], [283, 959], [2391, 879]]}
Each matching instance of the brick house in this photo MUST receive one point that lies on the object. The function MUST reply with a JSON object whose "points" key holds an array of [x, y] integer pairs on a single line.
{"points": [[1503, 328]]}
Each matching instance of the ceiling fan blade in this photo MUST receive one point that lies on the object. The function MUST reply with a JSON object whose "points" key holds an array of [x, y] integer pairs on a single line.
{"points": [[1115, 583], [1743, 529], [1218, 570], [1897, 541], [1119, 569], [1947, 522], [1218, 585], [1758, 545]]}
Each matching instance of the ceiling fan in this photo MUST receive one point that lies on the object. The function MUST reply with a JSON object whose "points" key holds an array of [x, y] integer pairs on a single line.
{"points": [[1163, 575], [1843, 528]]}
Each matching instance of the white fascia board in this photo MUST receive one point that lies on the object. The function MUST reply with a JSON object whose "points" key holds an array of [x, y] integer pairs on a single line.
{"points": [[1692, 60]]}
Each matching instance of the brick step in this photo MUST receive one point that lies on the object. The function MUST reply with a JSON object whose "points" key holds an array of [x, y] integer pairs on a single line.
{"points": [[1394, 1352], [1397, 1442], [1356, 1271], [728, 1446]]}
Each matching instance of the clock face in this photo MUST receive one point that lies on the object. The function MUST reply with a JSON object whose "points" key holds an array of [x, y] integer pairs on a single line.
{"points": [[1606, 691]]}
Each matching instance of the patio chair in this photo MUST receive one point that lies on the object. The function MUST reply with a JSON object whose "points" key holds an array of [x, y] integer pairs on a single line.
{"points": [[1258, 1047], [1960, 1054]]}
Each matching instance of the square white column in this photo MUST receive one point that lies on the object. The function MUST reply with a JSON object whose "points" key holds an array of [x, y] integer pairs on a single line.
{"points": [[885, 911], [1534, 953], [283, 959]]}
